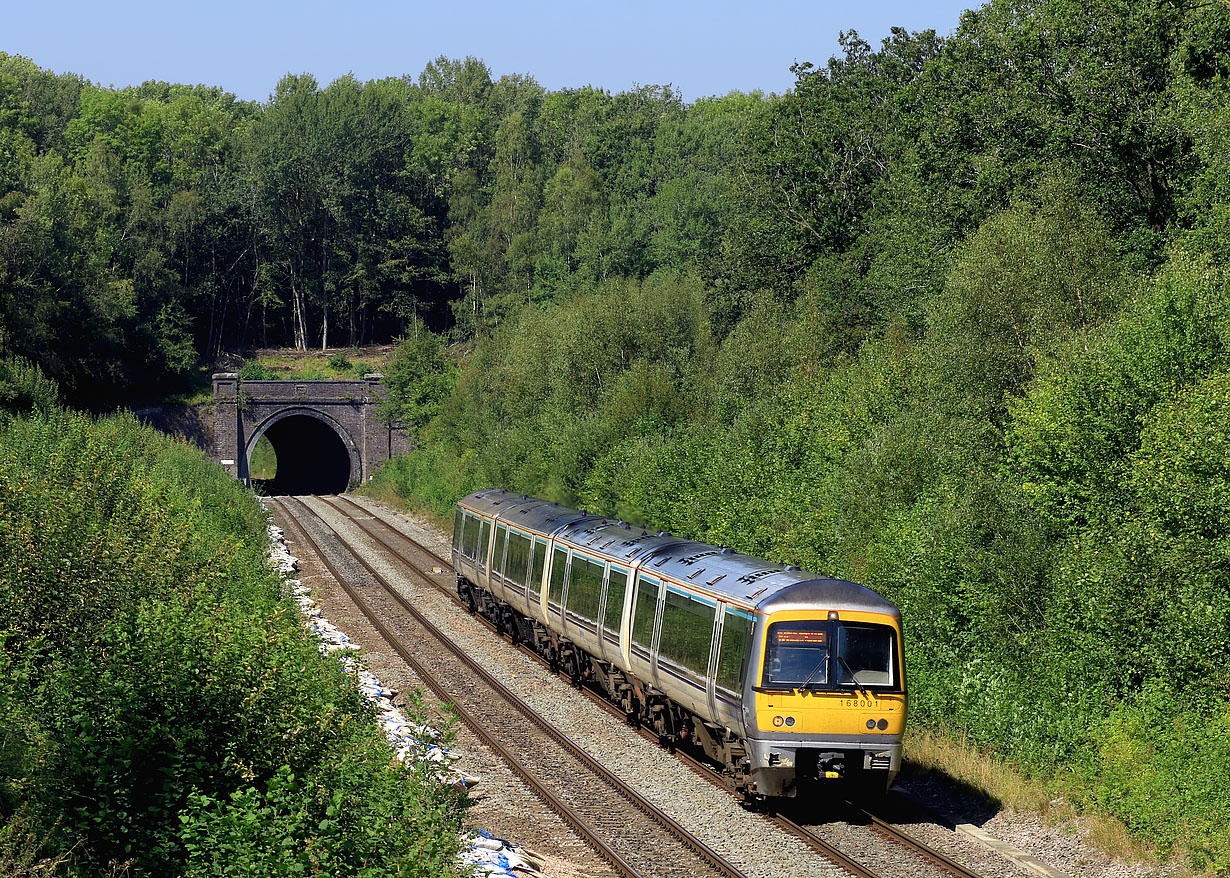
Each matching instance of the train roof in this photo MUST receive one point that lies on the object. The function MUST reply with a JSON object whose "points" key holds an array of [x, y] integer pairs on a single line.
{"points": [[523, 511], [722, 572]]}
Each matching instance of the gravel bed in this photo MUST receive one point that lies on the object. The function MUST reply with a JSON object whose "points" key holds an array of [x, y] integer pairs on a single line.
{"points": [[416, 527], [970, 853], [872, 850], [501, 803], [1061, 844]]}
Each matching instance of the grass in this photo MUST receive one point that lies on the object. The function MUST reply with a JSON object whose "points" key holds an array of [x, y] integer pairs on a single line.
{"points": [[994, 780], [950, 754], [264, 463], [329, 365]]}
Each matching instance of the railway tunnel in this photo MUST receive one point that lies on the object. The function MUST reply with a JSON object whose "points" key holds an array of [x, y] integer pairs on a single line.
{"points": [[326, 435], [311, 457]]}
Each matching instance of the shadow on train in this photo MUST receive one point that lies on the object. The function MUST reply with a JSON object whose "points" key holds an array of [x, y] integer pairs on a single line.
{"points": [[311, 459]]}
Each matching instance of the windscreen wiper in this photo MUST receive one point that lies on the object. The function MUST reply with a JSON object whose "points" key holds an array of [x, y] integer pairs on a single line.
{"points": [[803, 686], [854, 678]]}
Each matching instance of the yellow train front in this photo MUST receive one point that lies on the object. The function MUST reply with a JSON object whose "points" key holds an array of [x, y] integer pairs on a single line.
{"points": [[827, 697], [783, 678]]}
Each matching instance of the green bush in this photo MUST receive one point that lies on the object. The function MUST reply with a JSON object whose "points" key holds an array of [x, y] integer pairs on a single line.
{"points": [[419, 376], [1159, 766], [254, 370], [155, 668], [24, 389]]}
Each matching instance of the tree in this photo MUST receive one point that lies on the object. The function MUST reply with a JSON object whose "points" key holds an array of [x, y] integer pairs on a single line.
{"points": [[419, 377]]}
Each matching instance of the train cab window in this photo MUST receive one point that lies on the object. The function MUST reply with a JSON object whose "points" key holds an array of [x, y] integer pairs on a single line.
{"points": [[644, 612], [734, 647], [484, 542], [458, 528], [687, 631], [796, 655], [865, 655], [584, 587], [518, 561], [559, 566], [470, 545], [616, 585], [497, 559], [537, 565]]}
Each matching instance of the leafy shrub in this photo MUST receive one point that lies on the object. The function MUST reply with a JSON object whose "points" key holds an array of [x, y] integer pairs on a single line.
{"points": [[155, 668], [254, 370], [24, 389], [1159, 767], [419, 376]]}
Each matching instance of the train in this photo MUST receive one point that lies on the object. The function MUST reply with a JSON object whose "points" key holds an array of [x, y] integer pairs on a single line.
{"points": [[788, 682]]}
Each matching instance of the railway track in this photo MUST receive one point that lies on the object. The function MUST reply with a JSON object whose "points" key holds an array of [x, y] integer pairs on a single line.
{"points": [[425, 567], [628, 831]]}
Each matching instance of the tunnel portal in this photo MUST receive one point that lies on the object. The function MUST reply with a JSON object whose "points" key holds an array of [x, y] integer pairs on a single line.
{"points": [[327, 435], [312, 459]]}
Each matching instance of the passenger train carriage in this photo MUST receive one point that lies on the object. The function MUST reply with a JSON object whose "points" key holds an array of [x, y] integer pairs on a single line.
{"points": [[781, 677]]}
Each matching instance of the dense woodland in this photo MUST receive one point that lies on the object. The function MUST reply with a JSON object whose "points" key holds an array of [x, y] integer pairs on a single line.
{"points": [[146, 230], [950, 318]]}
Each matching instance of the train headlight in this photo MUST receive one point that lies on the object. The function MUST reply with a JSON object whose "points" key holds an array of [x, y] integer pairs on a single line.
{"points": [[882, 724], [871, 724]]}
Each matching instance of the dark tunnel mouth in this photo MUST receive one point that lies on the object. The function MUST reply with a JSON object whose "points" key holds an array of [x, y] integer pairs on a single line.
{"points": [[312, 458]]}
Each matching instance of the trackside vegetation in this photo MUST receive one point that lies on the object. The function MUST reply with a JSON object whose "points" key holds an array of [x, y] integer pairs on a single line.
{"points": [[162, 711], [950, 317]]}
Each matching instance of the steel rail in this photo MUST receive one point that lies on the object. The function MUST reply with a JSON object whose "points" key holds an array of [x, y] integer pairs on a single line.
{"points": [[580, 826], [447, 564], [838, 857], [711, 857], [898, 834]]}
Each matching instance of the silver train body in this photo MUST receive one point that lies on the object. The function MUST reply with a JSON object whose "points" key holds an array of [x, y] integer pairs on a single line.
{"points": [[785, 679]]}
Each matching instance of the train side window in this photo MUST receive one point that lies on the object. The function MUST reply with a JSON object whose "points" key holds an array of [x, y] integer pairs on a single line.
{"points": [[518, 558], [538, 564], [459, 521], [559, 562], [616, 586], [584, 587], [470, 547], [734, 649], [687, 631], [484, 542], [497, 559], [644, 612]]}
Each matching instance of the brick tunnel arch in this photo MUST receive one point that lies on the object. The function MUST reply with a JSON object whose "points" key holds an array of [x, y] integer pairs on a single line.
{"points": [[315, 454]]}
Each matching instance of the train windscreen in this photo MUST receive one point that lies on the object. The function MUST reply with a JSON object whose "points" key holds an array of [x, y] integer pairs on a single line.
{"points": [[796, 655], [829, 654], [865, 655]]}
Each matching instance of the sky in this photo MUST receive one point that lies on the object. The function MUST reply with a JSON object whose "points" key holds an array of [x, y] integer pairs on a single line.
{"points": [[246, 46]]}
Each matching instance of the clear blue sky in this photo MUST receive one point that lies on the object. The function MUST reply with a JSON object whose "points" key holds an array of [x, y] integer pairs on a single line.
{"points": [[245, 46]]}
